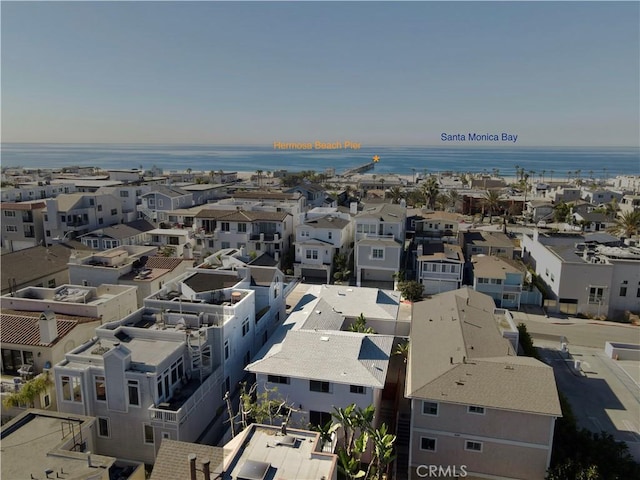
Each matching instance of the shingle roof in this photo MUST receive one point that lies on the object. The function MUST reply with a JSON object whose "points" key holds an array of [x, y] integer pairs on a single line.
{"points": [[330, 356], [481, 237], [172, 192], [441, 251], [172, 461], [126, 230], [203, 282], [24, 330], [384, 212], [328, 221], [489, 266]]}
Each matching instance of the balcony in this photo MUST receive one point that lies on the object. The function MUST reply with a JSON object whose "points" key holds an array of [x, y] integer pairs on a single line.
{"points": [[512, 289], [185, 401], [265, 237]]}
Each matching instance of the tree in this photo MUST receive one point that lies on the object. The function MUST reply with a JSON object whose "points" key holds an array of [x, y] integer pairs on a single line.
{"points": [[360, 325], [411, 290], [454, 199], [442, 201], [430, 190], [561, 212], [395, 194], [29, 391], [491, 201], [627, 224]]}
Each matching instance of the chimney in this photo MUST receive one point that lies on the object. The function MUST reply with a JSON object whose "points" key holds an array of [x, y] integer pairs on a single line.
{"points": [[48, 327], [206, 469], [353, 208], [192, 465]]}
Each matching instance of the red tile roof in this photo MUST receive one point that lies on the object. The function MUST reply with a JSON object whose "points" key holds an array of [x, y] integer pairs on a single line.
{"points": [[164, 263], [24, 330]]}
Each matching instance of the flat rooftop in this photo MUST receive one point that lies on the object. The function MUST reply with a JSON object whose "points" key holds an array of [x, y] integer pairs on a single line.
{"points": [[265, 448]]}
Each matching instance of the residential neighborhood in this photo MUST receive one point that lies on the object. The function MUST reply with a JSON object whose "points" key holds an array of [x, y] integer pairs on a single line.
{"points": [[158, 320]]}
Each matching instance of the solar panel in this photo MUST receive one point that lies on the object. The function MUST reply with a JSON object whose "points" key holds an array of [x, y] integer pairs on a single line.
{"points": [[252, 470]]}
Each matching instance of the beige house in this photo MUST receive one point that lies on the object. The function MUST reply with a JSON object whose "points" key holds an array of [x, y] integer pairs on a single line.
{"points": [[474, 402]]}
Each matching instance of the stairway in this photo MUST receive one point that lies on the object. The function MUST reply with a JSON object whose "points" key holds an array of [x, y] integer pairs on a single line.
{"points": [[403, 433]]}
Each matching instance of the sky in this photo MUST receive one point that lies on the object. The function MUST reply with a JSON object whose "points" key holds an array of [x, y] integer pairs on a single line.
{"points": [[376, 73]]}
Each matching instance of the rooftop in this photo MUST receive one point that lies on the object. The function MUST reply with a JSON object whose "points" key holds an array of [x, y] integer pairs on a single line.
{"points": [[172, 460], [23, 329], [441, 251], [383, 212], [327, 221], [38, 441], [332, 356], [352, 301], [265, 450], [485, 238], [489, 266]]}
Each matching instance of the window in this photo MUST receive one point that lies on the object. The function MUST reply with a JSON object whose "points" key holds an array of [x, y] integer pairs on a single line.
{"points": [[226, 349], [429, 408], [312, 254], [623, 288], [319, 418], [475, 409], [92, 202], [428, 444], [473, 446], [133, 390], [48, 233], [357, 389], [124, 193], [63, 218], [247, 358], [224, 226], [245, 326], [46, 401], [304, 233], [11, 228], [596, 294], [173, 240], [114, 211], [242, 227], [377, 253], [99, 208], [330, 235], [71, 389], [225, 245], [9, 213], [100, 388], [148, 434], [103, 427], [317, 386], [100, 221], [278, 379]]}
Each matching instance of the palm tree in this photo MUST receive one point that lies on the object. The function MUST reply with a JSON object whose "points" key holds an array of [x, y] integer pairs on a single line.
{"points": [[491, 202], [430, 191], [442, 201], [259, 173], [395, 194], [551, 176], [454, 198], [627, 224]]}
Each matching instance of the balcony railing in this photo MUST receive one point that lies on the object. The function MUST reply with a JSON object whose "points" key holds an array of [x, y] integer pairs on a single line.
{"points": [[167, 414]]}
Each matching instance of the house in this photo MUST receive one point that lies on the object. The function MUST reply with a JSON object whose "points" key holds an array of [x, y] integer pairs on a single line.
{"points": [[592, 221], [599, 196], [379, 243], [475, 242], [539, 210], [162, 199], [503, 280], [132, 233], [314, 193], [255, 231], [204, 193], [438, 226], [39, 325], [320, 369], [439, 267], [66, 450], [22, 224], [590, 274], [173, 242], [474, 402], [629, 203], [31, 191], [129, 196], [137, 266], [71, 215], [38, 266], [324, 233]]}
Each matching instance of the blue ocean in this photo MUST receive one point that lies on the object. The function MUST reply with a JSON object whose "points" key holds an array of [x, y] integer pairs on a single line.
{"points": [[553, 162]]}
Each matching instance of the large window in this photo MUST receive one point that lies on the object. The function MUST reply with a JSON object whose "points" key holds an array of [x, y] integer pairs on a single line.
{"points": [[71, 389], [317, 386], [428, 444], [357, 389], [100, 388], [319, 418], [133, 390], [429, 408], [377, 253], [312, 254], [242, 227], [224, 226]]}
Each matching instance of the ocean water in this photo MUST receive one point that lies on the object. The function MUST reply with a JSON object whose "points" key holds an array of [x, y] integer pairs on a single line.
{"points": [[556, 161]]}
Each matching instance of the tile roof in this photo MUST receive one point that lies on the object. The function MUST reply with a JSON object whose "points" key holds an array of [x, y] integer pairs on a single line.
{"points": [[30, 205], [24, 330], [172, 461], [331, 356], [163, 263]]}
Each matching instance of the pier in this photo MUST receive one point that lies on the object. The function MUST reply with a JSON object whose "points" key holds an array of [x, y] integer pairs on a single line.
{"points": [[359, 169]]}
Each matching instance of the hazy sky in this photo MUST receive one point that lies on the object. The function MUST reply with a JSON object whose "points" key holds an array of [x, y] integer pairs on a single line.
{"points": [[376, 73]]}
